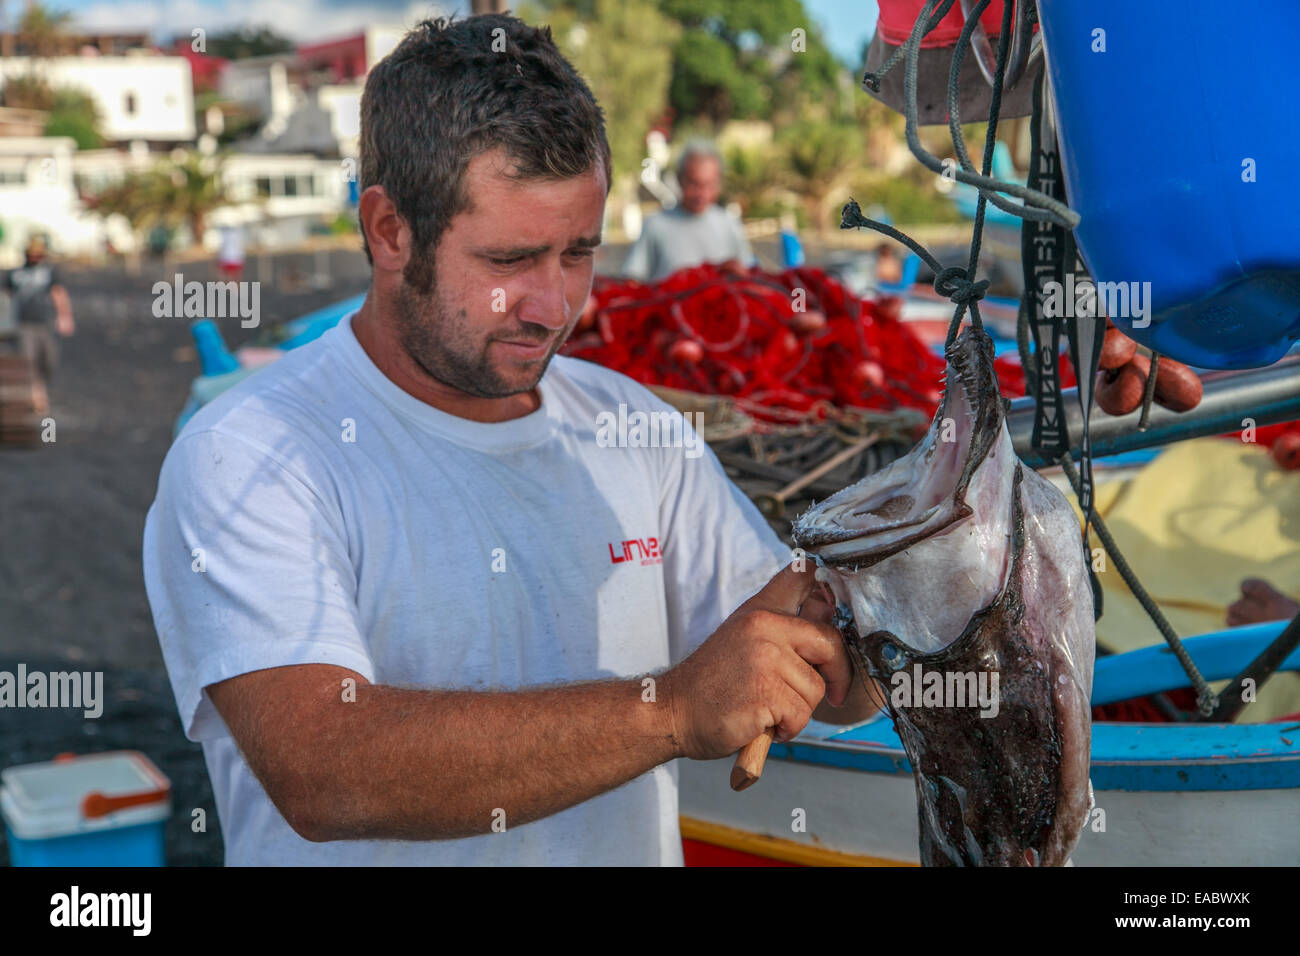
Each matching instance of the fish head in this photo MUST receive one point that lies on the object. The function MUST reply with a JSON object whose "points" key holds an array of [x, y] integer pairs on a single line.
{"points": [[926, 491]]}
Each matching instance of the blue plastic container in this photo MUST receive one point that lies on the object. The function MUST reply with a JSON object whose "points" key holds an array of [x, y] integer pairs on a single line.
{"points": [[1180, 146], [105, 809]]}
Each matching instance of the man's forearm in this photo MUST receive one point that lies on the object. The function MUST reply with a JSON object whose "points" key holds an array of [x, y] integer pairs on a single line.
{"points": [[424, 765]]}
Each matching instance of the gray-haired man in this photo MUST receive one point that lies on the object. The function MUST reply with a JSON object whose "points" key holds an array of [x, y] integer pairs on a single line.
{"points": [[694, 232]]}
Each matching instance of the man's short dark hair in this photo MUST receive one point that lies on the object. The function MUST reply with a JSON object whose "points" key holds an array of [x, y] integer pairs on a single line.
{"points": [[453, 89]]}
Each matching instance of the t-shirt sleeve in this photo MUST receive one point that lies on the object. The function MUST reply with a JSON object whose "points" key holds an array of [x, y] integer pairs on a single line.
{"points": [[246, 567], [719, 550]]}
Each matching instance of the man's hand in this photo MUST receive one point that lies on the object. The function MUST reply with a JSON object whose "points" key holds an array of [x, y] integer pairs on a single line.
{"points": [[1260, 601], [764, 667]]}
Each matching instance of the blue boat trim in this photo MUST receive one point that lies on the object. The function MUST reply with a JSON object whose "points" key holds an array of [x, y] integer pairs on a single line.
{"points": [[1137, 757], [1152, 670]]}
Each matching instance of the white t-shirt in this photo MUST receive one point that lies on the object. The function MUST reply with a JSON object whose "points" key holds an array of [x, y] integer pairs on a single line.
{"points": [[337, 519]]}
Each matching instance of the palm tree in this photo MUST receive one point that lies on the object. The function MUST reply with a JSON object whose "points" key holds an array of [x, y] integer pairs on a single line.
{"points": [[41, 29], [173, 193], [196, 190]]}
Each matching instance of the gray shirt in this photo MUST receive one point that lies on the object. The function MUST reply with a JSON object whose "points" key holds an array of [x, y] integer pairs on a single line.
{"points": [[676, 239], [32, 302]]}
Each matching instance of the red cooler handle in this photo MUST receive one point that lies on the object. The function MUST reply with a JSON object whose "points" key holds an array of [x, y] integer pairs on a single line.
{"points": [[95, 804]]}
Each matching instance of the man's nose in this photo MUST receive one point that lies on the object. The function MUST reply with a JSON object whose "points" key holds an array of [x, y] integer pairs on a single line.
{"points": [[543, 302]]}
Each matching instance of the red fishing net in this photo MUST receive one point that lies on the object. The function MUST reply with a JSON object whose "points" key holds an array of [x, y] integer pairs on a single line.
{"points": [[779, 342]]}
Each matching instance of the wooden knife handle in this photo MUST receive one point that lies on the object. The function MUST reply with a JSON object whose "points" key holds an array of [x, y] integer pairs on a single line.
{"points": [[750, 760]]}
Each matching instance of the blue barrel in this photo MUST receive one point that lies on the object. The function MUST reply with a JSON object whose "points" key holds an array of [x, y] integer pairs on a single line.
{"points": [[1180, 147]]}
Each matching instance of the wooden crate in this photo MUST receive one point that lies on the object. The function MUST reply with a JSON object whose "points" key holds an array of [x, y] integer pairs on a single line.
{"points": [[23, 401]]}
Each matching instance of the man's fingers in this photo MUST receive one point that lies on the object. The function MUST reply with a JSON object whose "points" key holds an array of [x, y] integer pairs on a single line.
{"points": [[786, 591], [804, 680], [792, 712], [1256, 588], [821, 646]]}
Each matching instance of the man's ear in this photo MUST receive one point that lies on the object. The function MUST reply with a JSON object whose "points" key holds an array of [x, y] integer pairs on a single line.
{"points": [[387, 234]]}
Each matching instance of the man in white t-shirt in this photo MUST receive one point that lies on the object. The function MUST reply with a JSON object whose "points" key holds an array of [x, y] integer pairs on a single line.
{"points": [[413, 606]]}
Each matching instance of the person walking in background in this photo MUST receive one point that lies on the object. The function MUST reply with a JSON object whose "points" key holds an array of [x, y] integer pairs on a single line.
{"points": [[40, 307], [230, 257], [696, 231]]}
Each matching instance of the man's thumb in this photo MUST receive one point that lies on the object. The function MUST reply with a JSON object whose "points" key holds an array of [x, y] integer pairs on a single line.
{"points": [[787, 591]]}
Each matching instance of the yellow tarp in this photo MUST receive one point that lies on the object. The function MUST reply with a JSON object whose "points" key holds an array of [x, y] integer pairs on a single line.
{"points": [[1192, 524]]}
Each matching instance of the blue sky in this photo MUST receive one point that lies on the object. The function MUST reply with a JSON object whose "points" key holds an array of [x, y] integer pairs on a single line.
{"points": [[846, 24]]}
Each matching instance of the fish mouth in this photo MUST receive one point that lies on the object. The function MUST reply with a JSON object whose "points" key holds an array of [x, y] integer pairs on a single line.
{"points": [[923, 492]]}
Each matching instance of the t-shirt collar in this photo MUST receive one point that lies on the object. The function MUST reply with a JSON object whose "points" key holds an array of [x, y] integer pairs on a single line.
{"points": [[531, 429]]}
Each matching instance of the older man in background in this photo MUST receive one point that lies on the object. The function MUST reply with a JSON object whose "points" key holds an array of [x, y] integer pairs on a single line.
{"points": [[696, 231]]}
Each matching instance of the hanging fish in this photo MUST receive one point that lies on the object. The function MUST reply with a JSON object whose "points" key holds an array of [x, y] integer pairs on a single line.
{"points": [[961, 588]]}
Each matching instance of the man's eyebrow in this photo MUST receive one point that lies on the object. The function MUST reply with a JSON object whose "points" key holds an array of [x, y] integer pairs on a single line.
{"points": [[525, 252], [515, 252]]}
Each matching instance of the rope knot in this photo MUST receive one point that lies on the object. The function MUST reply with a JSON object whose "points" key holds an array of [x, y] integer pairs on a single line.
{"points": [[957, 286]]}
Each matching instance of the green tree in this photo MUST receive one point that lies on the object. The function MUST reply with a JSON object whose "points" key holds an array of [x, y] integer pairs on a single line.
{"points": [[623, 49], [755, 174], [748, 60], [822, 157], [40, 30], [247, 41], [168, 194], [74, 113], [29, 92]]}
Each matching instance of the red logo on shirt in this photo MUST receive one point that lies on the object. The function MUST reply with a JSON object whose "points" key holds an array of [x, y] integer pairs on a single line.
{"points": [[645, 550]]}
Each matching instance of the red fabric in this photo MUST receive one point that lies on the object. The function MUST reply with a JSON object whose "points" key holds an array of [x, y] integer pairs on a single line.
{"points": [[898, 16], [706, 854], [1282, 440], [747, 336]]}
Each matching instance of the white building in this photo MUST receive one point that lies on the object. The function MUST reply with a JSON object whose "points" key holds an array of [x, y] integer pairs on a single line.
{"points": [[281, 198], [140, 96], [309, 100]]}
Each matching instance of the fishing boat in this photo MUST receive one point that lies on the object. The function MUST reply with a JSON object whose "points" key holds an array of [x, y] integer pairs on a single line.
{"points": [[1167, 794]]}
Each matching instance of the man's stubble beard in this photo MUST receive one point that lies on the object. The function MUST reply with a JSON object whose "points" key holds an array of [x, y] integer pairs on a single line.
{"points": [[442, 343]]}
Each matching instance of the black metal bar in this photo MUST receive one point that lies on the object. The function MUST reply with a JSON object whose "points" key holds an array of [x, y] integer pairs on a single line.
{"points": [[1265, 395], [1230, 702]]}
